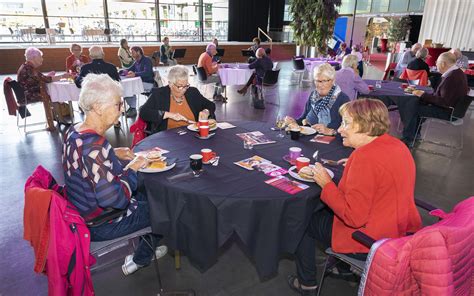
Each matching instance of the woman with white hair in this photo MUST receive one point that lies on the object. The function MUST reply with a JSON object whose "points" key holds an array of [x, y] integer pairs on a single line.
{"points": [[76, 60], [321, 109], [348, 78], [99, 177], [176, 104], [34, 82]]}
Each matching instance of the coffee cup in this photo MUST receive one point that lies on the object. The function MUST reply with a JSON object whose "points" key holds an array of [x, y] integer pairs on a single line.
{"points": [[204, 131], [371, 87], [294, 153], [207, 155], [404, 85], [195, 162], [301, 162], [203, 122], [295, 134]]}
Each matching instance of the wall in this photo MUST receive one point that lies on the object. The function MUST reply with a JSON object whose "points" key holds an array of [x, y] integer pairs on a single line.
{"points": [[360, 28], [54, 58], [449, 22]]}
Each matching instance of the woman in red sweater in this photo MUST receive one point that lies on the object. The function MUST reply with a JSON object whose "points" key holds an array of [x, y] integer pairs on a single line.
{"points": [[75, 61], [375, 193]]}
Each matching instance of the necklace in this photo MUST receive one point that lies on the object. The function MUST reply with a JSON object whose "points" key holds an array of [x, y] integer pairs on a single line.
{"points": [[179, 102]]}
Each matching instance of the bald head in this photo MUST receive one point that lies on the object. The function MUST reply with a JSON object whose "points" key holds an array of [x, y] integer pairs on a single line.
{"points": [[416, 47], [96, 52], [456, 52], [445, 61], [260, 53]]}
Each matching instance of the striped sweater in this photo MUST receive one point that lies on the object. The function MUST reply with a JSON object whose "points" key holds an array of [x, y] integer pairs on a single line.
{"points": [[95, 177]]}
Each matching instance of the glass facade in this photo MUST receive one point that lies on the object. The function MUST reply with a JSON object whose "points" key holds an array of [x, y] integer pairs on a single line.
{"points": [[381, 6], [111, 20]]}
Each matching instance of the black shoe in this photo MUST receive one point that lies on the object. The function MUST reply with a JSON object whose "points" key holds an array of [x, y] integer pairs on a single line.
{"points": [[131, 112], [217, 98], [117, 125], [291, 282]]}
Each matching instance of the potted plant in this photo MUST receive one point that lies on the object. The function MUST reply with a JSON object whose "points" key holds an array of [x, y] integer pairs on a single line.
{"points": [[398, 29], [313, 22]]}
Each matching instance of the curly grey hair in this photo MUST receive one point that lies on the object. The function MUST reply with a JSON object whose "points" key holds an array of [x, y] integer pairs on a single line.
{"points": [[350, 61], [32, 52], [98, 89], [178, 72], [325, 70]]}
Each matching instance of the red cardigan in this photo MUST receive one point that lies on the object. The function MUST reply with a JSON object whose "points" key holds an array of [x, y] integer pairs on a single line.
{"points": [[375, 195], [70, 61]]}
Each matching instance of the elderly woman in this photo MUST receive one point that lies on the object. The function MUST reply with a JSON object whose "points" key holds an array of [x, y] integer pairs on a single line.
{"points": [[99, 177], [375, 193], [419, 62], [75, 61], [143, 68], [348, 79], [166, 53], [176, 104], [321, 109], [124, 54], [34, 82]]}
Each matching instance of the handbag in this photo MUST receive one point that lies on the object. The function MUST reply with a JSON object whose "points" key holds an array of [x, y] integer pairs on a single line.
{"points": [[61, 111], [257, 98]]}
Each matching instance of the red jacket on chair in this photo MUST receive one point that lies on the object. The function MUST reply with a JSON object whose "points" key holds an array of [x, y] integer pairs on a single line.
{"points": [[138, 130], [62, 246], [9, 98], [420, 75]]}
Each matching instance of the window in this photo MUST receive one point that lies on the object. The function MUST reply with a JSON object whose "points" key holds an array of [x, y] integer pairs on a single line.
{"points": [[363, 6], [180, 21], [399, 6], [19, 21], [416, 5], [216, 19], [380, 5]]}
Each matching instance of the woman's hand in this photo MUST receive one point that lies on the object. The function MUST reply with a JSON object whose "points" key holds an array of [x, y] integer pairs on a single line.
{"points": [[204, 114], [289, 120], [322, 129], [137, 163], [342, 161], [131, 74], [175, 116], [321, 176], [418, 93], [124, 153]]}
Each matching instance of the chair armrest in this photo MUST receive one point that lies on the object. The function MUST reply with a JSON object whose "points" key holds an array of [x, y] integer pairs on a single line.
{"points": [[107, 215], [424, 205], [363, 238]]}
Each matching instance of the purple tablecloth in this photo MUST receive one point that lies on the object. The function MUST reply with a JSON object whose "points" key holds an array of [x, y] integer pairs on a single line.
{"points": [[198, 215]]}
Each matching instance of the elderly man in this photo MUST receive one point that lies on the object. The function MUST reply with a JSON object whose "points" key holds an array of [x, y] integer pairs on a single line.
{"points": [[349, 80], [261, 65], [97, 66], [211, 68], [452, 88], [461, 60], [34, 82], [406, 58]]}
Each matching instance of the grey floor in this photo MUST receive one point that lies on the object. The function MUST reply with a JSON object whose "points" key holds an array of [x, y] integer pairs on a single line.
{"points": [[443, 181]]}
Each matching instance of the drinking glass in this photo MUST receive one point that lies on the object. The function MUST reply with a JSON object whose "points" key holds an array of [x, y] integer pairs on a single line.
{"points": [[280, 124], [195, 162], [378, 84]]}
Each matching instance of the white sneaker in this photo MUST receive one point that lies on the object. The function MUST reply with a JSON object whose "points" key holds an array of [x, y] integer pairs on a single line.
{"points": [[129, 266], [161, 251]]}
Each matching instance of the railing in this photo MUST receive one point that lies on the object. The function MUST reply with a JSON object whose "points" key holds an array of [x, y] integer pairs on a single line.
{"points": [[266, 35]]}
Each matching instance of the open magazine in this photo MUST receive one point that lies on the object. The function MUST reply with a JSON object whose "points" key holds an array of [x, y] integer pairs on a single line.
{"points": [[285, 184], [255, 138]]}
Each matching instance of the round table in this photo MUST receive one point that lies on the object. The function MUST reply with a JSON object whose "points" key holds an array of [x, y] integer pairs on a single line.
{"points": [[198, 215], [312, 63], [234, 74]]}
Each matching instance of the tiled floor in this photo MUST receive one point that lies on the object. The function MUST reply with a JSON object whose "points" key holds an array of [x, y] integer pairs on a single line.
{"points": [[440, 180]]}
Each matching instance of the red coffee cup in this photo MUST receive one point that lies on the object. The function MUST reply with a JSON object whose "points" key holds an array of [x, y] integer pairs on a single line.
{"points": [[204, 131], [207, 155], [301, 162], [203, 122], [371, 87], [404, 85]]}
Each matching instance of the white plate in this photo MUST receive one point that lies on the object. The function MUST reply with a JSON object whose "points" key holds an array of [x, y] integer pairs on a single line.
{"points": [[194, 129], [307, 131], [167, 168], [294, 174]]}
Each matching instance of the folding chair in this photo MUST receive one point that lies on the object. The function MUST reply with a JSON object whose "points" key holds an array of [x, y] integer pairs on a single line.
{"points": [[270, 79], [201, 76], [299, 68]]}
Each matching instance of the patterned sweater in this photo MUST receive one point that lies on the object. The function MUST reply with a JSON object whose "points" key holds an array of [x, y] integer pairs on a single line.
{"points": [[95, 177]]}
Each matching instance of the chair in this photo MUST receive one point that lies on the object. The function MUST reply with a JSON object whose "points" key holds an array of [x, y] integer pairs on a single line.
{"points": [[40, 33], [416, 77], [357, 266], [270, 79], [389, 72], [455, 119], [22, 110], [299, 68], [201, 76]]}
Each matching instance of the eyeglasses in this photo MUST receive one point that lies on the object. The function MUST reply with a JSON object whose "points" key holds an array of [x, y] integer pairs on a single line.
{"points": [[322, 81], [181, 87], [345, 124], [119, 106]]}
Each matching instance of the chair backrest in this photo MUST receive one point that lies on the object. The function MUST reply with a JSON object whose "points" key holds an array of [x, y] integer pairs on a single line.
{"points": [[298, 64], [40, 31], [271, 77], [195, 69], [418, 77], [387, 73], [461, 107], [106, 31], [72, 31], [18, 90], [201, 73], [276, 66], [11, 30], [179, 53]]}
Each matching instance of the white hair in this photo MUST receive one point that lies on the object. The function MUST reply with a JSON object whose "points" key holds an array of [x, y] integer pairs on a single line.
{"points": [[325, 70], [32, 52], [260, 53], [422, 53], [209, 46], [98, 89], [178, 72], [96, 52], [350, 61]]}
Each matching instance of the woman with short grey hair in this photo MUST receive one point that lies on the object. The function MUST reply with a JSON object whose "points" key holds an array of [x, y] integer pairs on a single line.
{"points": [[99, 177], [348, 78], [419, 62], [175, 105], [321, 109]]}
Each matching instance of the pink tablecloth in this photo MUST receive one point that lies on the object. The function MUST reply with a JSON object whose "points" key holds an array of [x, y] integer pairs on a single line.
{"points": [[67, 91], [234, 74]]}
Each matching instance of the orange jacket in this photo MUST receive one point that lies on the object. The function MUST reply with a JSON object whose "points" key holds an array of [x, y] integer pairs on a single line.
{"points": [[205, 60]]}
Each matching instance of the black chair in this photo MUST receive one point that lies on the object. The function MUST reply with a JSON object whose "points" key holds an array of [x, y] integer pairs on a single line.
{"points": [[40, 33], [179, 53], [195, 69], [220, 52], [201, 76], [270, 79], [299, 68], [455, 119]]}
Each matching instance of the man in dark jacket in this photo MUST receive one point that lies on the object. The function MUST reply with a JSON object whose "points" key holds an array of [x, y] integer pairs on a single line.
{"points": [[453, 87], [261, 65], [97, 66]]}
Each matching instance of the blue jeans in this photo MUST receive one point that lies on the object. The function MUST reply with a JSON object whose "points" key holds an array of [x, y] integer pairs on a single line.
{"points": [[139, 219], [320, 230]]}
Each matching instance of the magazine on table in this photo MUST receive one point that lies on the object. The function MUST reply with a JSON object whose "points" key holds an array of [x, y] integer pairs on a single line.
{"points": [[285, 184], [323, 139], [255, 138], [252, 162], [271, 169], [159, 150]]}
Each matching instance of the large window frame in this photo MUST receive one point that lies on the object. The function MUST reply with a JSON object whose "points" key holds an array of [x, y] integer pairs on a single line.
{"points": [[203, 24]]}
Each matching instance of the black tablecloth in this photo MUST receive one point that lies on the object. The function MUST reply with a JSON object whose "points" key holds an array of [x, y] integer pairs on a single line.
{"points": [[198, 215], [391, 93]]}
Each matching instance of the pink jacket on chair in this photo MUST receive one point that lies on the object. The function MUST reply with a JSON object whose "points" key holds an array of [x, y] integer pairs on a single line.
{"points": [[437, 260]]}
